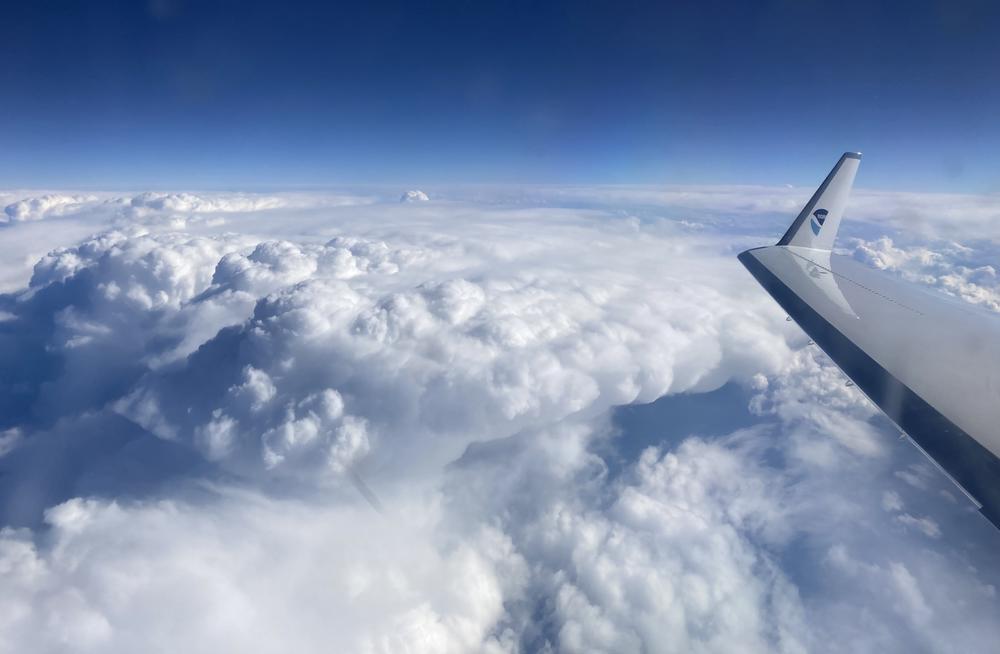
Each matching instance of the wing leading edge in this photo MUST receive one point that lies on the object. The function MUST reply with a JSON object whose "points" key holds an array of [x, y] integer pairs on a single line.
{"points": [[932, 365]]}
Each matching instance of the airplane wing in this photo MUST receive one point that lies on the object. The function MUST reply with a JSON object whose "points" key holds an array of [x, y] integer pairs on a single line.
{"points": [[930, 363]]}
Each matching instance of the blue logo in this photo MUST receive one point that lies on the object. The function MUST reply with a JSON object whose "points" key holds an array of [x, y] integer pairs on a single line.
{"points": [[819, 217]]}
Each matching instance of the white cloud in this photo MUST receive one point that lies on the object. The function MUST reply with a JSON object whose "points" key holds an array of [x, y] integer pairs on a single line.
{"points": [[254, 575], [455, 362], [414, 196], [912, 602], [936, 268], [930, 215], [925, 525], [891, 501], [933, 216], [823, 413], [670, 566], [37, 208], [483, 354], [192, 203]]}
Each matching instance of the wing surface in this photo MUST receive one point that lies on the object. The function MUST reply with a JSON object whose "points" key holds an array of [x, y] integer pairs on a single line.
{"points": [[930, 363]]}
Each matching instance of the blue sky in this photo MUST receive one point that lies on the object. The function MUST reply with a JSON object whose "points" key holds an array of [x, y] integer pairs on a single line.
{"points": [[250, 94]]}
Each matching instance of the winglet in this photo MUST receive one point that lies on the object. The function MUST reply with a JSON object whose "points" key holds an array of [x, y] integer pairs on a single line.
{"points": [[816, 227]]}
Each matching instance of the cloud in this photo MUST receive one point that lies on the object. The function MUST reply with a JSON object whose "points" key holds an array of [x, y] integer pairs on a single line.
{"points": [[926, 525], [96, 315], [170, 207], [192, 203], [486, 353], [247, 573], [930, 216], [670, 565], [957, 270], [37, 208], [891, 501], [769, 209], [910, 595], [193, 405], [811, 397], [414, 196]]}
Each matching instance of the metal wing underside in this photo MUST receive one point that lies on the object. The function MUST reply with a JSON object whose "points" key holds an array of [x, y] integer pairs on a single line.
{"points": [[926, 362]]}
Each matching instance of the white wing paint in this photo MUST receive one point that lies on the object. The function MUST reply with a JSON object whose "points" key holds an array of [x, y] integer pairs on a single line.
{"points": [[932, 364]]}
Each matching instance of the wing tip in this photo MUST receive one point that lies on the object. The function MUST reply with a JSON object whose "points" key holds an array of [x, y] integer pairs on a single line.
{"points": [[815, 236]]}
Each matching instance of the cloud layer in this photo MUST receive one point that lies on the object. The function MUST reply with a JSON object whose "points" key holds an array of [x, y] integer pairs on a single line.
{"points": [[292, 420]]}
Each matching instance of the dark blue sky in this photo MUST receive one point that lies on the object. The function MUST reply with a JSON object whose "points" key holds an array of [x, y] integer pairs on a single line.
{"points": [[226, 93]]}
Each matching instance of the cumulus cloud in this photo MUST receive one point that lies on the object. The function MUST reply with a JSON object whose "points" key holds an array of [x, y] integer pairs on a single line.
{"points": [[193, 405], [813, 397], [36, 208], [414, 196], [192, 203], [487, 354], [954, 269], [250, 574], [170, 207], [671, 564]]}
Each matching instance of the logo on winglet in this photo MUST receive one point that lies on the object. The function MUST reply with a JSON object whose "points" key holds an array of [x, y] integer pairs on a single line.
{"points": [[819, 217]]}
